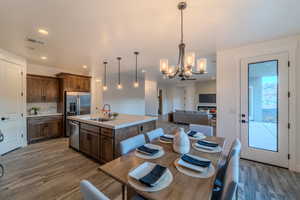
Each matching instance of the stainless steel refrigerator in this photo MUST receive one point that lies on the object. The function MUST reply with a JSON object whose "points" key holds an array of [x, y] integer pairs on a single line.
{"points": [[76, 103]]}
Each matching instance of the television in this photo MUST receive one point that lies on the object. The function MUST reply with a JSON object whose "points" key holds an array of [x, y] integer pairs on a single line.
{"points": [[207, 98]]}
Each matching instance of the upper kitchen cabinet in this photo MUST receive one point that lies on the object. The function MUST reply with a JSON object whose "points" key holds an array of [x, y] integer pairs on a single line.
{"points": [[42, 89], [75, 83]]}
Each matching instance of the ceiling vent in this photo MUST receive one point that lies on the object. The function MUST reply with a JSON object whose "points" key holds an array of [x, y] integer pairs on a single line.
{"points": [[34, 41]]}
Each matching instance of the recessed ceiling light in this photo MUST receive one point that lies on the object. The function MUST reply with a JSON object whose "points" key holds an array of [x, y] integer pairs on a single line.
{"points": [[143, 71], [43, 31], [44, 58], [84, 66]]}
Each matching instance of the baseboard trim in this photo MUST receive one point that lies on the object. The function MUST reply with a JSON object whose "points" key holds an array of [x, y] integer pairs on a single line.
{"points": [[297, 168]]}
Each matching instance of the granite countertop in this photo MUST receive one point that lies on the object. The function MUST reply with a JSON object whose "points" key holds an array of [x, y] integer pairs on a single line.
{"points": [[43, 115], [122, 121]]}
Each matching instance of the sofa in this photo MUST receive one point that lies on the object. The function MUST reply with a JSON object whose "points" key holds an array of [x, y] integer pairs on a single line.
{"points": [[191, 117]]}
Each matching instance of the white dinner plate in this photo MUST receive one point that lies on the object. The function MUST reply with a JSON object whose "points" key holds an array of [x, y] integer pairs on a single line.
{"points": [[153, 146], [206, 149], [210, 171], [197, 136], [141, 171], [167, 142], [191, 166]]}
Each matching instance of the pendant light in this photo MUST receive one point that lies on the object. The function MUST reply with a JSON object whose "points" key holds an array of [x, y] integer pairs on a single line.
{"points": [[119, 86], [136, 83], [185, 67], [105, 88]]}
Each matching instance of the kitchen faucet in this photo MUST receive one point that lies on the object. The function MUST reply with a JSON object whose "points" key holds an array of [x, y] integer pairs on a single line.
{"points": [[104, 110]]}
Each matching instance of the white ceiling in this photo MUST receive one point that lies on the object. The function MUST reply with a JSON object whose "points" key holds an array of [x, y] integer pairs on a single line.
{"points": [[86, 32]]}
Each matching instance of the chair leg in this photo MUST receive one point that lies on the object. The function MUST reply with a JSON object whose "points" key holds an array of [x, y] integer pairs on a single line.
{"points": [[123, 192]]}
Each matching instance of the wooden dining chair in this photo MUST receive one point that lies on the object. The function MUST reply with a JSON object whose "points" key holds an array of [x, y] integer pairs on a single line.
{"points": [[132, 143], [206, 130], [152, 135], [90, 192]]}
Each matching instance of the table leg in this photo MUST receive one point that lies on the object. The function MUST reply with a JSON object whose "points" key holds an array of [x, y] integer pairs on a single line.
{"points": [[123, 192]]}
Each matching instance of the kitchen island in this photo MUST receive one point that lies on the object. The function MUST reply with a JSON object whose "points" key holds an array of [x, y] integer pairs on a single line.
{"points": [[100, 139]]}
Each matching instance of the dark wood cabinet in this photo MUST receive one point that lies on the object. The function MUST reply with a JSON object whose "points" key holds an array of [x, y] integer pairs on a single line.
{"points": [[41, 128], [42, 89], [103, 144], [89, 140], [75, 83], [106, 148]]}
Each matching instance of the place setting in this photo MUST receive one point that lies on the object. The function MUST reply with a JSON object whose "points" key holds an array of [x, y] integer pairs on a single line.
{"points": [[194, 166], [150, 177], [166, 138], [194, 135], [149, 151], [207, 146]]}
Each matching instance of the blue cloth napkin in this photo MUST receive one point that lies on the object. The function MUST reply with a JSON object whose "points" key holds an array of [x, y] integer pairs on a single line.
{"points": [[152, 177], [208, 144], [192, 133], [195, 161], [165, 138], [147, 150]]}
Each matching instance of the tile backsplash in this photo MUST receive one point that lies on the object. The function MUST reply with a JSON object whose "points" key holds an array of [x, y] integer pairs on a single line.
{"points": [[45, 108]]}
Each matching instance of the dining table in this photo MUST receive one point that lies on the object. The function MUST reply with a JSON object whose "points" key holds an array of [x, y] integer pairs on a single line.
{"points": [[183, 187]]}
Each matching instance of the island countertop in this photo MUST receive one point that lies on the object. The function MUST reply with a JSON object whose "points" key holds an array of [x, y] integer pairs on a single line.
{"points": [[122, 120]]}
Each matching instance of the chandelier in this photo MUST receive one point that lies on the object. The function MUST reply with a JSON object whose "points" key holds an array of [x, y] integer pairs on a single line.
{"points": [[185, 67]]}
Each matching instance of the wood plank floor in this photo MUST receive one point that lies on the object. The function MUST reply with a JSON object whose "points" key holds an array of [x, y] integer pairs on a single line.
{"points": [[50, 170]]}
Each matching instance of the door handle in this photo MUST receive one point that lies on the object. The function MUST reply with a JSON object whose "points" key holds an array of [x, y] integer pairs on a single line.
{"points": [[1, 136], [2, 170], [4, 118]]}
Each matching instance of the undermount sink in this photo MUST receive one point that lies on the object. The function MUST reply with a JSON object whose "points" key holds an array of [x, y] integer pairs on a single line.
{"points": [[99, 119]]}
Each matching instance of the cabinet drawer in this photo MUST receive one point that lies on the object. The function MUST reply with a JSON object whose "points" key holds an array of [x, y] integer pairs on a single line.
{"points": [[89, 127], [148, 126], [107, 132]]}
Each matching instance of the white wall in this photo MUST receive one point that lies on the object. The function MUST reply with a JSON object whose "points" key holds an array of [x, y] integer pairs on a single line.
{"points": [[228, 90], [206, 87], [51, 71], [151, 99], [7, 56], [129, 100]]}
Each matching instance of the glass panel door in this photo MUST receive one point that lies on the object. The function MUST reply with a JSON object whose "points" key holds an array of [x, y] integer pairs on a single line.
{"points": [[264, 109]]}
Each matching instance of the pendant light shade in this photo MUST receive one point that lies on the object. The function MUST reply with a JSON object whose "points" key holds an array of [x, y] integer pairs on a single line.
{"points": [[119, 86], [136, 83], [105, 88]]}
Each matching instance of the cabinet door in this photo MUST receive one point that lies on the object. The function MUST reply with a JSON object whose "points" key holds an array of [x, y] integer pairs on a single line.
{"points": [[94, 145], [37, 131], [51, 90], [85, 84], [55, 129], [34, 89], [84, 141], [106, 149]]}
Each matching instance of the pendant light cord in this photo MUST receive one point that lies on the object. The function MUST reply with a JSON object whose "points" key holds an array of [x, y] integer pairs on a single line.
{"points": [[181, 11], [136, 60]]}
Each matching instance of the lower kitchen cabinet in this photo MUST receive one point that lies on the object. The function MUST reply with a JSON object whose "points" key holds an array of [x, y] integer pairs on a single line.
{"points": [[106, 149], [103, 144], [89, 143], [42, 128]]}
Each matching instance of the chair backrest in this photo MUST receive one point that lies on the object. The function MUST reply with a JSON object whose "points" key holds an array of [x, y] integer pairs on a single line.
{"points": [[234, 149], [132, 143], [231, 178], [152, 135], [206, 130], [90, 192]]}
